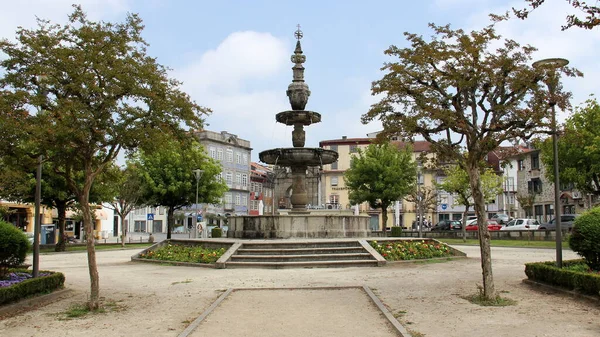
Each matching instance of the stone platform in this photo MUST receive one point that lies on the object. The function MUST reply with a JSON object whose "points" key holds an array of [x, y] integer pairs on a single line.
{"points": [[298, 226]]}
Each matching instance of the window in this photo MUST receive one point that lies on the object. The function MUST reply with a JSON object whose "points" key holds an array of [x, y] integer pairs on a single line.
{"points": [[534, 186], [334, 181], [213, 152], [244, 201], [238, 178], [521, 165], [333, 148], [334, 199], [161, 210], [244, 180], [353, 148], [511, 199], [238, 199], [334, 166], [220, 154], [244, 159], [238, 158], [228, 198], [229, 178], [509, 184], [535, 161], [259, 187], [229, 155]]}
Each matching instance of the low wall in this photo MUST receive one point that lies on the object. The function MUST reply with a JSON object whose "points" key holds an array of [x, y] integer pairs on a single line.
{"points": [[298, 226], [533, 235]]}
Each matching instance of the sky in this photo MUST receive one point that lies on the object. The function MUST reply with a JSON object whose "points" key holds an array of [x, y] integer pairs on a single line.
{"points": [[234, 56]]}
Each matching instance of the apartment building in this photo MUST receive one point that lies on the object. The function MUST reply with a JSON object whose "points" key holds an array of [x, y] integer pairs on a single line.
{"points": [[261, 190], [233, 153]]}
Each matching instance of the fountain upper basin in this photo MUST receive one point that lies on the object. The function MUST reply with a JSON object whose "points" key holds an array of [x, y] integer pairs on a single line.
{"points": [[292, 117], [295, 156]]}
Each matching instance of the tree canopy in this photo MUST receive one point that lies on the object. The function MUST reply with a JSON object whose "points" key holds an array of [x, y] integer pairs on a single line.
{"points": [[589, 21], [167, 177], [380, 175], [578, 150], [96, 92], [465, 99]]}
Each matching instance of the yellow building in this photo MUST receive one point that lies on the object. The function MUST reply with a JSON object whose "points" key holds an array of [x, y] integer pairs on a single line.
{"points": [[23, 215], [335, 193]]}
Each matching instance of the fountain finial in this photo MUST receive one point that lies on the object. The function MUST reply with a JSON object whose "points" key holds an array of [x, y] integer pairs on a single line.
{"points": [[298, 90]]}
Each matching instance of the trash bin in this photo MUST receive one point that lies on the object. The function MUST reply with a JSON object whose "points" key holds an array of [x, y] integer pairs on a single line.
{"points": [[48, 236]]}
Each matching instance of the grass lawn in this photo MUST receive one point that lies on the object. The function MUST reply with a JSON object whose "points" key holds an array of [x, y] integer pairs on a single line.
{"points": [[507, 243], [103, 246]]}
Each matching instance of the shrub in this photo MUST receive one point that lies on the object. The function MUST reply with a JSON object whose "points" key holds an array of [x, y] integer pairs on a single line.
{"points": [[13, 247], [547, 272], [396, 231], [216, 232], [27, 286], [585, 237]]}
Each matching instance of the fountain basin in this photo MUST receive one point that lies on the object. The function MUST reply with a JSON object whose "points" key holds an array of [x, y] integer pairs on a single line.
{"points": [[292, 117], [298, 156], [298, 226]]}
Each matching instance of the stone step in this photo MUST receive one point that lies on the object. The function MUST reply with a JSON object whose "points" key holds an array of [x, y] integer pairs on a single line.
{"points": [[296, 251], [303, 264], [289, 245], [303, 257]]}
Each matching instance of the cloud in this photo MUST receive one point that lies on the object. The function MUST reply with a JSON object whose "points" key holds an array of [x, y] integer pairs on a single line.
{"points": [[243, 80], [23, 13]]}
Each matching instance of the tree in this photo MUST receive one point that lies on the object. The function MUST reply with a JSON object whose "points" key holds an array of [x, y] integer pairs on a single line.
{"points": [[96, 92], [380, 175], [457, 182], [127, 189], [167, 177], [591, 20], [465, 99], [578, 150], [425, 199]]}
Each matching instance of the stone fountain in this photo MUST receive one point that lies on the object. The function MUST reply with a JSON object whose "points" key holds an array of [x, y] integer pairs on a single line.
{"points": [[300, 222]]}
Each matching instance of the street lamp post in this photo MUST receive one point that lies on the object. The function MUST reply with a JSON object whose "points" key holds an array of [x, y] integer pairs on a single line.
{"points": [[551, 65], [197, 174], [419, 203], [37, 225]]}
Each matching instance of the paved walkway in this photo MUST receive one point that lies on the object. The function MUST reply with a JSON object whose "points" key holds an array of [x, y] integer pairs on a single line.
{"points": [[145, 300]]}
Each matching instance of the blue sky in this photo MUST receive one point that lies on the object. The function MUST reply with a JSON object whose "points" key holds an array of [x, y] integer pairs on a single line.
{"points": [[233, 56]]}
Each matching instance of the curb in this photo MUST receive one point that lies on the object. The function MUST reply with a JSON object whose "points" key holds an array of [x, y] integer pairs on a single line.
{"points": [[402, 332], [27, 304]]}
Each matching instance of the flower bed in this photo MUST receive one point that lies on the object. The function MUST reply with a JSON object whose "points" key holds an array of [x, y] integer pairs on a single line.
{"points": [[411, 250], [19, 284], [184, 253], [575, 275]]}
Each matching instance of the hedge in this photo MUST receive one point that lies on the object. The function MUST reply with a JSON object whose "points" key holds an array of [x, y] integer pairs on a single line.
{"points": [[216, 232], [30, 287], [547, 272]]}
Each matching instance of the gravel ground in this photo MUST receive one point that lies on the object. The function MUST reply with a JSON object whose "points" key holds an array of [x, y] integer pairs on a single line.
{"points": [[159, 300]]}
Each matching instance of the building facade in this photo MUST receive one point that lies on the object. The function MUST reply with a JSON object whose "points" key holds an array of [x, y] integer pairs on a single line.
{"points": [[233, 153], [261, 190]]}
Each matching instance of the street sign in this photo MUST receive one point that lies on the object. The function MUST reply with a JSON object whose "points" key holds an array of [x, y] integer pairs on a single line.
{"points": [[150, 216], [444, 206]]}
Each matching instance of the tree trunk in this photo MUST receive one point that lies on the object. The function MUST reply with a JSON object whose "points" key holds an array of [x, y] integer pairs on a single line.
{"points": [[123, 230], [464, 224], [384, 218], [94, 300], [170, 221], [61, 209], [489, 290]]}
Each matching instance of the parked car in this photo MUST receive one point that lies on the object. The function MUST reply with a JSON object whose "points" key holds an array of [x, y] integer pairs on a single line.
{"points": [[492, 226], [501, 218], [447, 225], [521, 224], [566, 221]]}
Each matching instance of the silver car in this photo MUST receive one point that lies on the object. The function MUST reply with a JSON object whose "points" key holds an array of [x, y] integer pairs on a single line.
{"points": [[521, 224]]}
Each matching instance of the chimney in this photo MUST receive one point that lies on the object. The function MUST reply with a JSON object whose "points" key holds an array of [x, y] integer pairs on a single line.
{"points": [[344, 137]]}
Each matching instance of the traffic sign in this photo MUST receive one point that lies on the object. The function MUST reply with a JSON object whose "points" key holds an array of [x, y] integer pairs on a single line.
{"points": [[150, 216], [444, 206]]}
